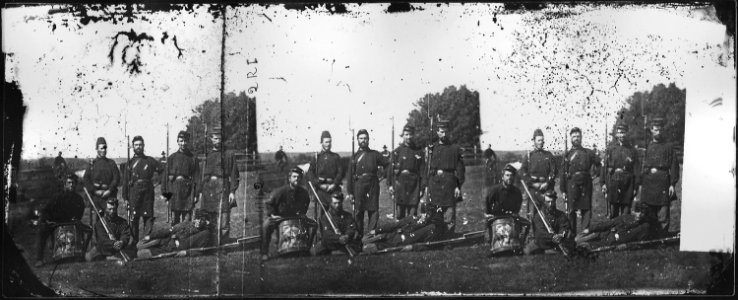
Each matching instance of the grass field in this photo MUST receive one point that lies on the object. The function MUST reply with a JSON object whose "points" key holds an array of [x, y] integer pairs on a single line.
{"points": [[460, 270]]}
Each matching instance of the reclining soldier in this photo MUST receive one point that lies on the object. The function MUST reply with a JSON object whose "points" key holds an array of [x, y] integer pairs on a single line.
{"points": [[429, 226], [640, 226], [197, 233]]}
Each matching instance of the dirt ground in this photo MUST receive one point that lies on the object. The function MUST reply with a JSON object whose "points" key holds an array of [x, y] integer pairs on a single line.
{"points": [[453, 270]]}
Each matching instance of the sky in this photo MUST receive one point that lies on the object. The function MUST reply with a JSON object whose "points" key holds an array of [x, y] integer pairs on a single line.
{"points": [[319, 71]]}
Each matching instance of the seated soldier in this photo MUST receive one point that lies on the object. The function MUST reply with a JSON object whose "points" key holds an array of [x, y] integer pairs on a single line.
{"points": [[197, 233], [346, 226], [504, 198], [291, 200], [558, 222], [640, 226], [67, 206], [110, 246], [429, 226]]}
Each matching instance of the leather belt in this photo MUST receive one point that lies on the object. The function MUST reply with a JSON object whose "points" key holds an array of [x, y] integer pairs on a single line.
{"points": [[325, 180], [142, 181], [538, 179], [182, 178], [618, 170], [100, 186], [367, 174], [440, 171], [214, 177], [408, 172], [654, 170], [580, 173]]}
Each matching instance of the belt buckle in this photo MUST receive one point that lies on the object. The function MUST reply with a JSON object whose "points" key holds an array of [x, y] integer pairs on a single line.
{"points": [[405, 172], [654, 170], [439, 172], [213, 177]]}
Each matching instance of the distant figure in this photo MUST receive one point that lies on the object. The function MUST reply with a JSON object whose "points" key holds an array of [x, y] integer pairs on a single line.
{"points": [[281, 159], [60, 167], [490, 160], [385, 153], [381, 172]]}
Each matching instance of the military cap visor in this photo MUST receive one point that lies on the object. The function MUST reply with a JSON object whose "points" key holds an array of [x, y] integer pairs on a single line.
{"points": [[325, 134], [112, 201], [660, 122], [443, 124], [621, 126], [408, 128], [510, 168], [337, 195], [296, 170], [183, 135]]}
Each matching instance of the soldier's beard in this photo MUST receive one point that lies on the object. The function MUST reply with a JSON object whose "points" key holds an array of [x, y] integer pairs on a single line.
{"points": [[138, 152], [363, 145]]}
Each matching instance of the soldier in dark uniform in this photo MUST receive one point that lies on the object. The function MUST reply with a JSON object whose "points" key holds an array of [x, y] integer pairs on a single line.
{"points": [[216, 186], [363, 184], [619, 173], [576, 180], [291, 200], [405, 176], [625, 228], [67, 206], [538, 170], [138, 191], [183, 176], [381, 172], [558, 222], [105, 247], [660, 174], [429, 226], [197, 233], [504, 198], [346, 226], [327, 171], [281, 158], [101, 178], [60, 167], [447, 173]]}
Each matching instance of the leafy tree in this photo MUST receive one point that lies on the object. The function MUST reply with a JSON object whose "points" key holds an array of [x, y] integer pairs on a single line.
{"points": [[240, 122], [459, 106], [667, 102]]}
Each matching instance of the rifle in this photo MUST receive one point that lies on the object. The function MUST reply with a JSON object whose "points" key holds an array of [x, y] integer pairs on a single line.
{"points": [[353, 167], [638, 243], [606, 179], [105, 225], [328, 217], [566, 172], [428, 152], [421, 246], [166, 181], [391, 178], [204, 161], [543, 219], [128, 186]]}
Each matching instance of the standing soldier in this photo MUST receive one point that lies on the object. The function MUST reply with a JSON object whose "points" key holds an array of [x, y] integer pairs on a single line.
{"points": [[618, 173], [217, 186], [183, 173], [138, 191], [363, 184], [404, 176], [101, 178], [327, 171], [539, 171], [576, 180], [660, 174], [446, 175]]}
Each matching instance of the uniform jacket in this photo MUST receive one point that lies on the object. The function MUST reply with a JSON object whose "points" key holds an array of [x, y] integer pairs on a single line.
{"points": [[539, 163], [102, 170], [502, 200], [118, 228], [64, 207], [287, 202]]}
